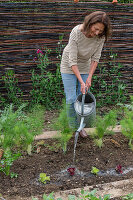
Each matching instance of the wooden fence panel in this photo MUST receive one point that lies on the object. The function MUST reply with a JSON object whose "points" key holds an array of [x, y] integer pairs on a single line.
{"points": [[27, 26]]}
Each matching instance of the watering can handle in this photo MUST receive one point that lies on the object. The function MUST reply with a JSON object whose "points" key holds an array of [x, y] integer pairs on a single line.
{"points": [[82, 107], [83, 101]]}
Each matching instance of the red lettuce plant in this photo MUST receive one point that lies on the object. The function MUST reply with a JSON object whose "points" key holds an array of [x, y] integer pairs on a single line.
{"points": [[71, 171], [119, 169]]}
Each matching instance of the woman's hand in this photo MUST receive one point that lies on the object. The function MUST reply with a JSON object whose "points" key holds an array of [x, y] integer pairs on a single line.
{"points": [[88, 82], [83, 88]]}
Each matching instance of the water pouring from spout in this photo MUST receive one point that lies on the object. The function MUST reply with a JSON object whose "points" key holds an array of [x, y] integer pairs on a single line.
{"points": [[85, 107]]}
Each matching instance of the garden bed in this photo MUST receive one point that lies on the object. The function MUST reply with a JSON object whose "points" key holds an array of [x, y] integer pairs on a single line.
{"points": [[52, 161]]}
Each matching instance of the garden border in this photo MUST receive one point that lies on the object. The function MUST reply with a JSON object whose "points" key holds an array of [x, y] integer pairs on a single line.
{"points": [[52, 134], [115, 189]]}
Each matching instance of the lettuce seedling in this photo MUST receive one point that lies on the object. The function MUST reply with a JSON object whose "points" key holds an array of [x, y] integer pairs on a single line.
{"points": [[44, 178], [119, 169], [94, 170], [71, 171]]}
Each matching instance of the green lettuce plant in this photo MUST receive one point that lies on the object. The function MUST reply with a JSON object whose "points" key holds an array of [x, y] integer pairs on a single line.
{"points": [[43, 178], [94, 170], [104, 125]]}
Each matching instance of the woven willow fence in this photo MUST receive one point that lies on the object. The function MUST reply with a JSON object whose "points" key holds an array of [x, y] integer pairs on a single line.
{"points": [[27, 26]]}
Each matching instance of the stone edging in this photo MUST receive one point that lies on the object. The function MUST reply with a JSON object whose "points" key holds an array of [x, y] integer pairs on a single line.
{"points": [[52, 134], [115, 189]]}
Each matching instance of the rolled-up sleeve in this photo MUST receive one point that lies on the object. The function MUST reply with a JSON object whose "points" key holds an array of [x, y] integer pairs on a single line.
{"points": [[97, 54], [73, 48]]}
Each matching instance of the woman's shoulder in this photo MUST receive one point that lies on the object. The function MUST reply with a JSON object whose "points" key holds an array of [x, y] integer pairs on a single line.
{"points": [[74, 33], [102, 39], [75, 28]]}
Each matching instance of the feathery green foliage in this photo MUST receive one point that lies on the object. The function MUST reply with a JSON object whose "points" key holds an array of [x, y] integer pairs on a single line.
{"points": [[127, 122], [127, 126], [17, 131], [62, 126], [104, 125]]}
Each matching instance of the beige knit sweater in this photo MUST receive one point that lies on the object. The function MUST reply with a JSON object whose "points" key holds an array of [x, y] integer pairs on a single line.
{"points": [[80, 51]]}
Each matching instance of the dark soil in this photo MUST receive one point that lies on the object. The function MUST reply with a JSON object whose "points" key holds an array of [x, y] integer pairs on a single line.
{"points": [[52, 161]]}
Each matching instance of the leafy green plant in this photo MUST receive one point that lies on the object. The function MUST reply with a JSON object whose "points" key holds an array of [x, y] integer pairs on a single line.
{"points": [[85, 195], [14, 93], [17, 131], [46, 197], [127, 126], [104, 125], [13, 131], [94, 170], [13, 175], [92, 195], [62, 126], [43, 178], [110, 88], [128, 106], [7, 161], [128, 197], [46, 86]]}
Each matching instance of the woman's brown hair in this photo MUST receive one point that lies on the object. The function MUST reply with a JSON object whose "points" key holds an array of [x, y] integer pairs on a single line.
{"points": [[98, 17]]}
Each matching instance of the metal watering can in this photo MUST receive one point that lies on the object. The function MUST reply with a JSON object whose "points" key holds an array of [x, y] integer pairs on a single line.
{"points": [[85, 107]]}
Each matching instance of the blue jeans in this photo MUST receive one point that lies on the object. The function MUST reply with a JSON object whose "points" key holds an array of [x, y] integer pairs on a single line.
{"points": [[72, 90]]}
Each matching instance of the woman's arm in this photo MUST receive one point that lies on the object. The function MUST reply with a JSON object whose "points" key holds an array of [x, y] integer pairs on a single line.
{"points": [[77, 74], [91, 72]]}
